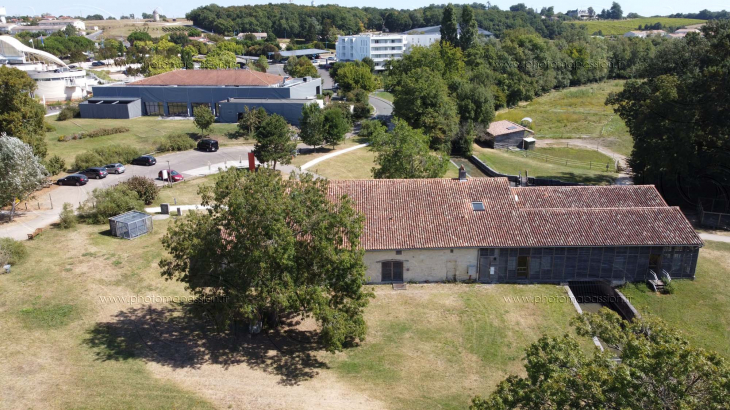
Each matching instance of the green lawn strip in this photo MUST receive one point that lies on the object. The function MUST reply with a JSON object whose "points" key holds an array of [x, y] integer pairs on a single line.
{"points": [[302, 159], [356, 164], [145, 133], [515, 162], [621, 27], [50, 303], [439, 345], [185, 193], [385, 95], [699, 308]]}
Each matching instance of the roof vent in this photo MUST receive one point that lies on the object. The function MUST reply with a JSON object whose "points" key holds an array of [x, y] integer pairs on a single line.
{"points": [[477, 206]]}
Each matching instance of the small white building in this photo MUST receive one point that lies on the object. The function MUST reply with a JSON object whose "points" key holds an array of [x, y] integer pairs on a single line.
{"points": [[76, 23], [55, 81]]}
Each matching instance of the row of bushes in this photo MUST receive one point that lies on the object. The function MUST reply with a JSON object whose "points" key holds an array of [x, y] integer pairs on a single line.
{"points": [[106, 155], [177, 142], [99, 132]]}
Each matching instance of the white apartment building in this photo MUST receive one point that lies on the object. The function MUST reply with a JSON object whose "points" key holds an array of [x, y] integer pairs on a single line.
{"points": [[380, 47]]}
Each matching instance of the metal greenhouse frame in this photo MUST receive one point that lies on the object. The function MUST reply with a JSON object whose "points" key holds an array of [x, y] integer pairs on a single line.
{"points": [[130, 225]]}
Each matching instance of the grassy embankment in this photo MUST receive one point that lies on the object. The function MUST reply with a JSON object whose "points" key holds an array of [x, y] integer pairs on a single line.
{"points": [[620, 27]]}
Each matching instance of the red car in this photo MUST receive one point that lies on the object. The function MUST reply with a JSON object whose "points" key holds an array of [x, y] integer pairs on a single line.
{"points": [[172, 175]]}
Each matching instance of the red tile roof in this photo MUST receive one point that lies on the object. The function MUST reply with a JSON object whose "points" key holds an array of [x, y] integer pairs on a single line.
{"points": [[437, 213], [212, 78], [631, 196], [505, 127]]}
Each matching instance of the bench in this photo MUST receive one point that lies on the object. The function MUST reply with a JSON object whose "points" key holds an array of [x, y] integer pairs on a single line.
{"points": [[35, 233]]}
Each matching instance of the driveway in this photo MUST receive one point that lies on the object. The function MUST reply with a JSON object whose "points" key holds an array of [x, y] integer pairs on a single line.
{"points": [[189, 163], [383, 108]]}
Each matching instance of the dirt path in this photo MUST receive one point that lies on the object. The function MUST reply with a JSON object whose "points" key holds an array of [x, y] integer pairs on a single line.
{"points": [[624, 177]]}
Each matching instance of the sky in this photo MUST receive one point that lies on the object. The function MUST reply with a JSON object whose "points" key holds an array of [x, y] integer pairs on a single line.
{"points": [[178, 8]]}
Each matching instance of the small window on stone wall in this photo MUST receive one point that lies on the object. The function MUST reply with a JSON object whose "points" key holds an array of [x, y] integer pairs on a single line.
{"points": [[399, 252]]}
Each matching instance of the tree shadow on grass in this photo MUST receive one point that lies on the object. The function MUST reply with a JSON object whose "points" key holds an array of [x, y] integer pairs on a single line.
{"points": [[167, 336]]}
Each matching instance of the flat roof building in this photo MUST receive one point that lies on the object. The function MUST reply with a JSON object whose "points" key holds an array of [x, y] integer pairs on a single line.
{"points": [[225, 92]]}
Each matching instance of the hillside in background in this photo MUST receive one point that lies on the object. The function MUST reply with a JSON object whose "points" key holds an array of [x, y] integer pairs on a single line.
{"points": [[619, 27]]}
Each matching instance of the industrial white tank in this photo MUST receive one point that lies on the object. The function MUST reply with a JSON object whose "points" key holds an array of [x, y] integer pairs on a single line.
{"points": [[3, 13]]}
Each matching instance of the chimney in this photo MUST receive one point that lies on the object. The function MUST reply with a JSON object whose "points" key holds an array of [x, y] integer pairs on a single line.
{"points": [[462, 173]]}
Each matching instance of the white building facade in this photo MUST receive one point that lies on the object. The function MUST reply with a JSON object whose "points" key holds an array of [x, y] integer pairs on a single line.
{"points": [[380, 47]]}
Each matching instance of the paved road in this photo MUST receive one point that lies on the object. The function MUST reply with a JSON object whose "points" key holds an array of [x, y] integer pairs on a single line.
{"points": [[94, 36], [182, 162], [714, 237], [383, 108]]}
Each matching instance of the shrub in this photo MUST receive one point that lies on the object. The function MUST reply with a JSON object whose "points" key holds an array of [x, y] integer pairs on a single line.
{"points": [[68, 218], [105, 155], [144, 187], [48, 127], [12, 251], [67, 113], [328, 93], [361, 111], [54, 165], [177, 142], [105, 203]]}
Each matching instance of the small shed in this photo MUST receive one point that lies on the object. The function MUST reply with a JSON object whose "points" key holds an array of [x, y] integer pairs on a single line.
{"points": [[507, 134], [528, 143], [130, 225]]}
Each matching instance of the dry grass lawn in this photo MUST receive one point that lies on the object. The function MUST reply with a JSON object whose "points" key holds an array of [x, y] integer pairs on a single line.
{"points": [[123, 28], [84, 326], [358, 164]]}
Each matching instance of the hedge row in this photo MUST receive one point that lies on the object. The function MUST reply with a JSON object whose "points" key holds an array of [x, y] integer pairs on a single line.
{"points": [[106, 155], [177, 142], [99, 132]]}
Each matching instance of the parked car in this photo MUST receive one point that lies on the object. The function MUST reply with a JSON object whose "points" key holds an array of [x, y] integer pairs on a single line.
{"points": [[147, 160], [174, 175], [208, 145], [73, 179], [115, 168], [95, 172]]}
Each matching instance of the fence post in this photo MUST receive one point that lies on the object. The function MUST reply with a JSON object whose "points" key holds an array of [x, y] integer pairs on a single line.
{"points": [[51, 199]]}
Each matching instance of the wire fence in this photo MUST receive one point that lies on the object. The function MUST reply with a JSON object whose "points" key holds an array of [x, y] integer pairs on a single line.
{"points": [[609, 166]]}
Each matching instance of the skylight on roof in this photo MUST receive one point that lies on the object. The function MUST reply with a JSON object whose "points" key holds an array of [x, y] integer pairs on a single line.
{"points": [[512, 127], [477, 206]]}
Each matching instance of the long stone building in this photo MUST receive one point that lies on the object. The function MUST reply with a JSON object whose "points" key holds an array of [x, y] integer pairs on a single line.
{"points": [[483, 229], [224, 92]]}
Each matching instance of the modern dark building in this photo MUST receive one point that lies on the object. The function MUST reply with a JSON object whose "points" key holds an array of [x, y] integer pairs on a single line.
{"points": [[177, 93]]}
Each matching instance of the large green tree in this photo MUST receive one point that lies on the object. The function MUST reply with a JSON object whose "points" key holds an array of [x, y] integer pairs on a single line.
{"points": [[468, 27], [423, 100], [274, 141], [219, 59], [300, 67], [311, 125], [250, 120], [335, 125], [269, 247], [678, 117], [658, 369], [449, 26], [21, 172], [20, 115], [203, 118], [355, 76], [404, 152]]}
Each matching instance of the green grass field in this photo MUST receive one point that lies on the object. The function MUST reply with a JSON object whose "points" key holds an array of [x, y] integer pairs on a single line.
{"points": [[439, 345], [620, 27], [701, 307], [357, 164], [145, 133], [576, 112], [515, 162]]}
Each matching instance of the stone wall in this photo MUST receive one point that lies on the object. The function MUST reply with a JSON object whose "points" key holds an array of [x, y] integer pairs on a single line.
{"points": [[420, 265]]}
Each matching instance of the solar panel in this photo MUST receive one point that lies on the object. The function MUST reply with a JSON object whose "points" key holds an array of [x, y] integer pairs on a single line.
{"points": [[477, 206]]}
